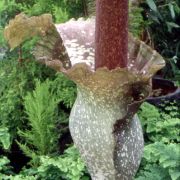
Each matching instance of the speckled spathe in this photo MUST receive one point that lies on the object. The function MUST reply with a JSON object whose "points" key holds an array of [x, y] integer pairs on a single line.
{"points": [[109, 153], [103, 123]]}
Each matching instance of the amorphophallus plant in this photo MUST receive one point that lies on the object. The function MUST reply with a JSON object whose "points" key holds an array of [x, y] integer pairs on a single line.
{"points": [[113, 73]]}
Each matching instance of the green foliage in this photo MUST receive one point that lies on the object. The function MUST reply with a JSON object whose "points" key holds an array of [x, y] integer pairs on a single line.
{"points": [[161, 159], [5, 168], [17, 177], [42, 136], [160, 125], [64, 90], [16, 80], [61, 10], [8, 9], [2, 41], [164, 30], [163, 162], [61, 15], [153, 172], [4, 138], [136, 21], [4, 161], [166, 154], [68, 166]]}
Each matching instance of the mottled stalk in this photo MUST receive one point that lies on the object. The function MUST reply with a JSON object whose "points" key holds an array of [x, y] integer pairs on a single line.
{"points": [[111, 33]]}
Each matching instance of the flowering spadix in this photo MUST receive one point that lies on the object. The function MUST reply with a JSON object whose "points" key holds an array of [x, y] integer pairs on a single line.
{"points": [[103, 123]]}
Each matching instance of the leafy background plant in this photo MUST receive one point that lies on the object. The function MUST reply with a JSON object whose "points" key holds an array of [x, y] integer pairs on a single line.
{"points": [[161, 159], [164, 30], [42, 135]]}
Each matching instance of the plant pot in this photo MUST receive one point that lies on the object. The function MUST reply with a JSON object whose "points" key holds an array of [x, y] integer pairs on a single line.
{"points": [[163, 91]]}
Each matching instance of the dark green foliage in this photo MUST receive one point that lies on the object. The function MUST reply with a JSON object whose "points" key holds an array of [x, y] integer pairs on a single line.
{"points": [[18, 81], [62, 10], [75, 8], [164, 29]]}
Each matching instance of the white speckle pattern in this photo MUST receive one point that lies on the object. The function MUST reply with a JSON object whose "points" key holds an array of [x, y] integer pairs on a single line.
{"points": [[129, 148], [102, 100], [91, 124], [79, 40]]}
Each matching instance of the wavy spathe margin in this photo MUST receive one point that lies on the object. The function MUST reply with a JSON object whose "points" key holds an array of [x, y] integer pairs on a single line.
{"points": [[49, 48], [74, 42]]}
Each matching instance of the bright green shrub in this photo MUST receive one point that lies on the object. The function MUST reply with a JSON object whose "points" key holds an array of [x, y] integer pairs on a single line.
{"points": [[4, 138], [8, 9], [5, 168], [160, 125], [136, 21], [16, 80], [41, 136], [18, 177], [64, 90], [4, 161], [69, 166], [161, 160]]}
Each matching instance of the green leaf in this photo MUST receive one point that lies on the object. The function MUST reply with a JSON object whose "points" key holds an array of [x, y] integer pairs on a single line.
{"points": [[171, 8], [172, 25], [5, 138], [175, 174], [3, 162], [152, 5], [153, 172]]}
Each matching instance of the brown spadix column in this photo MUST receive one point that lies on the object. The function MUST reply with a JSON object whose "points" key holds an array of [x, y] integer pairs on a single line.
{"points": [[111, 33]]}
